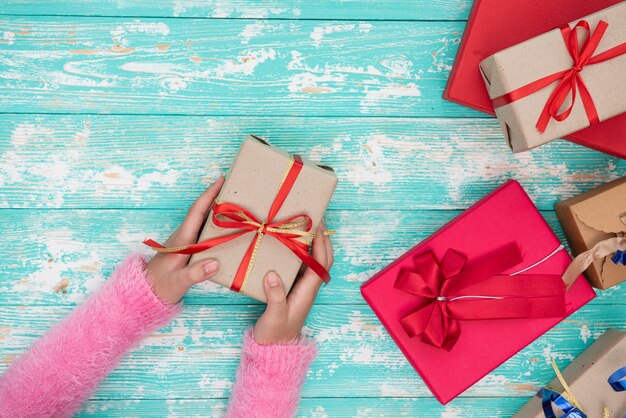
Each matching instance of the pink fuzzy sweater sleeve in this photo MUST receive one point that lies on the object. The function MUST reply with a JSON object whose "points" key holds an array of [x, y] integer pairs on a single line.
{"points": [[270, 379], [60, 371]]}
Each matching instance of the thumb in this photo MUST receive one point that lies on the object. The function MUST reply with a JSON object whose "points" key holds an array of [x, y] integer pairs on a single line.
{"points": [[198, 272], [275, 295]]}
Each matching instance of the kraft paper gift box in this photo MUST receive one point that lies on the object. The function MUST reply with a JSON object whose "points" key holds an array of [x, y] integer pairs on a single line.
{"points": [[514, 69], [592, 217], [503, 218], [494, 25], [587, 376], [257, 174]]}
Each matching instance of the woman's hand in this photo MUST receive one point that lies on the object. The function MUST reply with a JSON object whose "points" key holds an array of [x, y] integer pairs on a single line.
{"points": [[169, 274], [284, 316]]}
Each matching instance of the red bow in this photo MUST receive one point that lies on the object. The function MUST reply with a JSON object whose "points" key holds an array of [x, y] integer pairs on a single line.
{"points": [[289, 232], [569, 81], [456, 289]]}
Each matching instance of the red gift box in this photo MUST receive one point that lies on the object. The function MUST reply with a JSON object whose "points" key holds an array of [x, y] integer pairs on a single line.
{"points": [[504, 217], [494, 25]]}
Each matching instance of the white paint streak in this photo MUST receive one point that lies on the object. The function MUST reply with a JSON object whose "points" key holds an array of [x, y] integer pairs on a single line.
{"points": [[177, 76], [9, 37], [66, 258], [398, 66], [246, 10], [585, 333], [43, 176], [357, 329], [371, 169], [173, 84], [320, 31], [452, 412], [250, 31], [365, 354], [137, 26], [376, 96], [218, 387], [302, 82], [548, 355]]}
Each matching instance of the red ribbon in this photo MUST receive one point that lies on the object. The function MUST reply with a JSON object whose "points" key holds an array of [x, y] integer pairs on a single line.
{"points": [[569, 81], [456, 289], [231, 216]]}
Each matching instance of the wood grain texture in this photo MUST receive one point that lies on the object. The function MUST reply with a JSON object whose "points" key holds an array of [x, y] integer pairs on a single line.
{"points": [[81, 248], [315, 408], [196, 356], [227, 67], [242, 9], [115, 115], [90, 161]]}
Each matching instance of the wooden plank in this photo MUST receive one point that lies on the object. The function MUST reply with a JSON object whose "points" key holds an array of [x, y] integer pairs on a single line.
{"points": [[78, 161], [196, 356], [315, 408], [241, 9], [226, 67], [83, 247]]}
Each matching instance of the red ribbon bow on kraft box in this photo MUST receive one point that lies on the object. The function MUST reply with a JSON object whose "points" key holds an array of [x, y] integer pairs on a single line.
{"points": [[263, 219], [573, 74], [230, 216], [570, 80]]}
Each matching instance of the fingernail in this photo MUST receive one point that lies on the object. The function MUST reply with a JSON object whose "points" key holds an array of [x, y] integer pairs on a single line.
{"points": [[272, 279], [211, 266]]}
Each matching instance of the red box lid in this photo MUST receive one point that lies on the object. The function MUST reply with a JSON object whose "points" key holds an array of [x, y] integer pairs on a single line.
{"points": [[504, 216], [494, 25]]}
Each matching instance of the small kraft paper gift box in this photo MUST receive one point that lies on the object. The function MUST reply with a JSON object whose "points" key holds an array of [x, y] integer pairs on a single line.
{"points": [[594, 223], [561, 81], [595, 383], [476, 292], [264, 219]]}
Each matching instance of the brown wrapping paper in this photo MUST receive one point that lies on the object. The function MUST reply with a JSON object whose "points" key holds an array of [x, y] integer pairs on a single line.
{"points": [[252, 182], [591, 217], [546, 54], [587, 378]]}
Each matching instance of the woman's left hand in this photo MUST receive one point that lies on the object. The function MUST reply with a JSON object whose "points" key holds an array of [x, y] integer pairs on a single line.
{"points": [[169, 274]]}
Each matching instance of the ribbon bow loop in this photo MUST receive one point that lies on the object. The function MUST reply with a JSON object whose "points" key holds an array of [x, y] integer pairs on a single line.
{"points": [[570, 82], [458, 289]]}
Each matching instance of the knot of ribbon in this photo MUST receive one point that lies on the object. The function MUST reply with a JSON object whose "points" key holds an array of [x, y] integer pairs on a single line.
{"points": [[294, 232], [570, 81], [567, 401], [602, 249], [457, 289]]}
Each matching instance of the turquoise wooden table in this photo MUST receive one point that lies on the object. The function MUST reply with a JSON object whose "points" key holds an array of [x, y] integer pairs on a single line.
{"points": [[115, 116]]}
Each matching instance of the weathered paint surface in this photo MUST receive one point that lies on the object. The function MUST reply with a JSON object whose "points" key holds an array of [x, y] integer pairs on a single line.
{"points": [[115, 116], [266, 9], [123, 161]]}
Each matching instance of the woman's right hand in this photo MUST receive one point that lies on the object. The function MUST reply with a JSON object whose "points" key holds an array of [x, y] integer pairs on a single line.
{"points": [[284, 315]]}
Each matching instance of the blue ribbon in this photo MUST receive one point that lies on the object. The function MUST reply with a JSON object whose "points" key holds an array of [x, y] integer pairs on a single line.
{"points": [[619, 257], [564, 405], [616, 380]]}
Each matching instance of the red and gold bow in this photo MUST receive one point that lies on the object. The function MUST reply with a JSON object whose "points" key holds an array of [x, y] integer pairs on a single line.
{"points": [[569, 81], [455, 289], [294, 233]]}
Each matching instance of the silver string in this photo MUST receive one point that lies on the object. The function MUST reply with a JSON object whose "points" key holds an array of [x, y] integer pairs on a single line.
{"points": [[561, 247]]}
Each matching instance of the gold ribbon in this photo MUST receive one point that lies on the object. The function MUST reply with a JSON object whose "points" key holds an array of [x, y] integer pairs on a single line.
{"points": [[583, 260], [287, 228], [569, 395]]}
